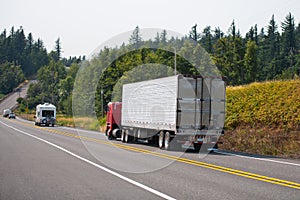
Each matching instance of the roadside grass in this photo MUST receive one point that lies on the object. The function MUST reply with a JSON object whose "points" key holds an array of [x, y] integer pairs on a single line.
{"points": [[264, 118], [79, 122]]}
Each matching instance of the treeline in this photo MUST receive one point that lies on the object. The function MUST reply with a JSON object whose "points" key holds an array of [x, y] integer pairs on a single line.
{"points": [[269, 53], [266, 54], [21, 57]]}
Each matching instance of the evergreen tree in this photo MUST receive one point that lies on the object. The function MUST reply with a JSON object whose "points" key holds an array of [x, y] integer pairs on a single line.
{"points": [[30, 42], [163, 37], [57, 52], [193, 34], [272, 47], [250, 34], [135, 39], [251, 62], [232, 30], [157, 39], [297, 34], [206, 39], [288, 42]]}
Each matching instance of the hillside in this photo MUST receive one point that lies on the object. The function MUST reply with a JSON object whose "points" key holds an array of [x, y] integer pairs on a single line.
{"points": [[264, 118]]}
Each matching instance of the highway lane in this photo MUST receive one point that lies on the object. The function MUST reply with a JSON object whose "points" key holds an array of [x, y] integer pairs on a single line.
{"points": [[31, 169], [34, 169], [11, 100]]}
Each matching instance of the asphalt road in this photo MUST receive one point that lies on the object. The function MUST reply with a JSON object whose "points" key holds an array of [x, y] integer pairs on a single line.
{"points": [[11, 100], [65, 163]]}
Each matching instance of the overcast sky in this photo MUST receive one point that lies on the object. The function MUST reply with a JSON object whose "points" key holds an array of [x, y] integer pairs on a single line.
{"points": [[84, 25]]}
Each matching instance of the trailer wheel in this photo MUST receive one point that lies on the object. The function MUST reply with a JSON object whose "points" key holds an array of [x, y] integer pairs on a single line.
{"points": [[167, 140], [161, 139]]}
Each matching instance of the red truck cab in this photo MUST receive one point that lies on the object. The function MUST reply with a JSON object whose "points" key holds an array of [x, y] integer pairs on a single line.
{"points": [[113, 119]]}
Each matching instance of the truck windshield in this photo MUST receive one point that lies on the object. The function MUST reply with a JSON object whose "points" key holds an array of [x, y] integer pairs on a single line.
{"points": [[47, 113]]}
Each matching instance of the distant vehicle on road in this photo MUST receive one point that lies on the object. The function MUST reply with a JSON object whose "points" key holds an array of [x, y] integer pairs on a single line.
{"points": [[45, 114], [12, 115], [188, 110], [6, 112]]}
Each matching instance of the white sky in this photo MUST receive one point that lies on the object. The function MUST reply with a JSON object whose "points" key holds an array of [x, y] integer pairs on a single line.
{"points": [[83, 25]]}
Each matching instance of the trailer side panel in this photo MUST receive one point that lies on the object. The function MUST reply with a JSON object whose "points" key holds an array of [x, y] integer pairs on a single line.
{"points": [[150, 104]]}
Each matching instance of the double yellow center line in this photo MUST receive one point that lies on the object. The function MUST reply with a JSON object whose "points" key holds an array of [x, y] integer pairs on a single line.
{"points": [[241, 173]]}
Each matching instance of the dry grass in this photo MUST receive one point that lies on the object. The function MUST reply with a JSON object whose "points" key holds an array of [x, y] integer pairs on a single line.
{"points": [[264, 118], [79, 122]]}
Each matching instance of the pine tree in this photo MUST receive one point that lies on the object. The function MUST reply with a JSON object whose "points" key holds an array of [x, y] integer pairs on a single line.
{"points": [[232, 30], [163, 37], [193, 34], [157, 39], [29, 44], [206, 39], [135, 39], [288, 42], [58, 49], [251, 62], [272, 46]]}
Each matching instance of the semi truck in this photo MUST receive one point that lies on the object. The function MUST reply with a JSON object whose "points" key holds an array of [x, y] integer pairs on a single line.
{"points": [[181, 111], [45, 114]]}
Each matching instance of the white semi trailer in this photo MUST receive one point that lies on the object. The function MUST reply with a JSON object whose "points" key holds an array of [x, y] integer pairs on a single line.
{"points": [[45, 114], [173, 111]]}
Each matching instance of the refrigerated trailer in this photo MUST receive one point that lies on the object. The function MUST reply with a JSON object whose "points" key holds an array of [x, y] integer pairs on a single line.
{"points": [[172, 112]]}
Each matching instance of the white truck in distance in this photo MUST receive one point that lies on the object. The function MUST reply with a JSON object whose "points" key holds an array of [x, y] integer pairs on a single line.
{"points": [[45, 114], [172, 112], [6, 112]]}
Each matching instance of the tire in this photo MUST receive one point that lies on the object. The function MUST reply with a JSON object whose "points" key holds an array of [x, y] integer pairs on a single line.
{"points": [[109, 137], [197, 147], [128, 137], [52, 125], [161, 138], [123, 136], [167, 141]]}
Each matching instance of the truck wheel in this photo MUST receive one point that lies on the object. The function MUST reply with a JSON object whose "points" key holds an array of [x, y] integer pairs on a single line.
{"points": [[167, 140], [128, 137], [123, 136], [161, 139], [197, 147]]}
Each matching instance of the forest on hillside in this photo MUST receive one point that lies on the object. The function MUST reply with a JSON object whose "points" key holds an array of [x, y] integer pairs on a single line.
{"points": [[271, 52]]}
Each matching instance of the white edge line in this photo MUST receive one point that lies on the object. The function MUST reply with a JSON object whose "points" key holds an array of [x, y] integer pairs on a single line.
{"points": [[96, 165], [262, 159]]}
